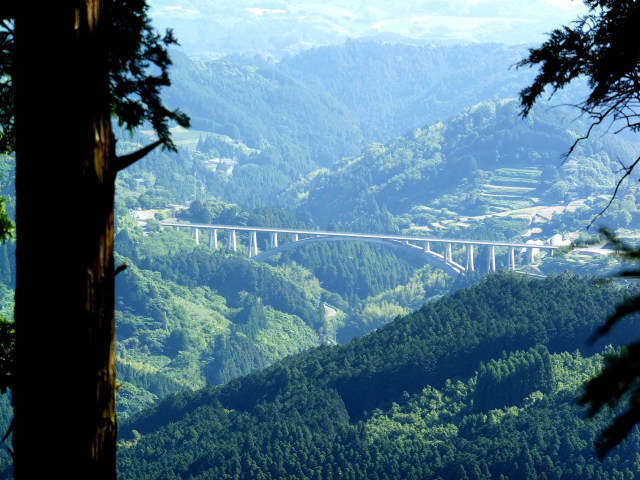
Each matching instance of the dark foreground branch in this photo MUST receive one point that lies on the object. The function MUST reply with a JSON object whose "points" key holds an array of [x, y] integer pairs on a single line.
{"points": [[120, 163], [627, 171]]}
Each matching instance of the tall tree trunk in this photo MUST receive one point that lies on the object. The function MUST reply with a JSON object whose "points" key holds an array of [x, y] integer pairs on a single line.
{"points": [[64, 397]]}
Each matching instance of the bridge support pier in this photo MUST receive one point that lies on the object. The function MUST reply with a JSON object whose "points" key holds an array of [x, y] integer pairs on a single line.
{"points": [[470, 267], [253, 244], [232, 240], [419, 245], [447, 253], [492, 259]]}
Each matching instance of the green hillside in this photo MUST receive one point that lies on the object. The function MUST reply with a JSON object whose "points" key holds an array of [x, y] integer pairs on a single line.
{"points": [[318, 131], [482, 382], [187, 316], [312, 109], [171, 337], [450, 177]]}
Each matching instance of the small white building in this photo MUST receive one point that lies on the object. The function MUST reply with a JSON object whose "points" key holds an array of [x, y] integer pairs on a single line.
{"points": [[558, 241]]}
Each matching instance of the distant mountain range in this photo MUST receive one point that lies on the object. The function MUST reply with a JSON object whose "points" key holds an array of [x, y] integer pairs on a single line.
{"points": [[284, 27]]}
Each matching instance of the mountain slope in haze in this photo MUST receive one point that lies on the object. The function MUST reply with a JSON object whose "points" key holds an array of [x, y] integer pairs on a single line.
{"points": [[255, 102], [393, 87], [311, 110], [480, 382], [484, 161], [334, 98]]}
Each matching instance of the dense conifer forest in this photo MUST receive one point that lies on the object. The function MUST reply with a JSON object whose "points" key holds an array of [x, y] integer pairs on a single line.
{"points": [[480, 384]]}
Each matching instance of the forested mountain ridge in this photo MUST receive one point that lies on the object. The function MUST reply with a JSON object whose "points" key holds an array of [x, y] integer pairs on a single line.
{"points": [[485, 368], [279, 132], [187, 316], [171, 337], [253, 100], [313, 109], [393, 87]]}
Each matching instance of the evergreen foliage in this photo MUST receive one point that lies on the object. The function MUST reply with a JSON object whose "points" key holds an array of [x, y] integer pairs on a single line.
{"points": [[478, 384], [353, 269], [171, 337]]}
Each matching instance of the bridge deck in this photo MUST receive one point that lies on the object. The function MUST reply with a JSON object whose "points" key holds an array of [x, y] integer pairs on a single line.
{"points": [[326, 233]]}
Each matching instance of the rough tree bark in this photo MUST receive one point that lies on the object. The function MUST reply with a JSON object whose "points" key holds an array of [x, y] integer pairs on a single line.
{"points": [[64, 397]]}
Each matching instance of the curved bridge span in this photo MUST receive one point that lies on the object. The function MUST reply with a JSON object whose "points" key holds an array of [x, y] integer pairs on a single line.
{"points": [[426, 257], [437, 251]]}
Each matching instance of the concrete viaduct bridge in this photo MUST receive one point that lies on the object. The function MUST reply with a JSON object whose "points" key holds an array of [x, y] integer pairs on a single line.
{"points": [[437, 251]]}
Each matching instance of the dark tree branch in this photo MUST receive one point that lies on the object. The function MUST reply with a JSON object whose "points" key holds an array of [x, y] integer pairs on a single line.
{"points": [[627, 172], [594, 124], [121, 268], [120, 163], [623, 310]]}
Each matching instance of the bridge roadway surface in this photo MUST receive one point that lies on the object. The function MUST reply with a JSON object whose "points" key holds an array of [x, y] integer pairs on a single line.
{"points": [[380, 236]]}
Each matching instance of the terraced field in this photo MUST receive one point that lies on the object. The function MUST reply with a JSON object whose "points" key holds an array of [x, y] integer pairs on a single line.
{"points": [[188, 139], [512, 189]]}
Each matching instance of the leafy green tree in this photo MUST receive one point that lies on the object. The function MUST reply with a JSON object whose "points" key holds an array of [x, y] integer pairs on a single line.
{"points": [[69, 67], [199, 212], [601, 47]]}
